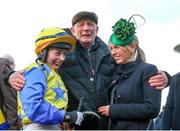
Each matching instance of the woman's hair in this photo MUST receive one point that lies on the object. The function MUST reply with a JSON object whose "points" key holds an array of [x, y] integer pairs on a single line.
{"points": [[140, 55]]}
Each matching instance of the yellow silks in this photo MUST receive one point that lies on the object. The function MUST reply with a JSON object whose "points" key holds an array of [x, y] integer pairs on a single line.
{"points": [[2, 120]]}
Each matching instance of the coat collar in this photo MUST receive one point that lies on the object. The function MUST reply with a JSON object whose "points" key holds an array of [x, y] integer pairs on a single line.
{"points": [[126, 68], [99, 47]]}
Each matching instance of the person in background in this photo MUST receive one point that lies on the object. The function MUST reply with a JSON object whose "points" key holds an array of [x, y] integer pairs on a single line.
{"points": [[42, 103], [8, 94], [133, 102], [11, 60], [87, 70], [171, 114], [3, 124]]}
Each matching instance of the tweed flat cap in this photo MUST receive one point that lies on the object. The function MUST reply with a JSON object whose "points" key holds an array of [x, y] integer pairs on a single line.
{"points": [[84, 14]]}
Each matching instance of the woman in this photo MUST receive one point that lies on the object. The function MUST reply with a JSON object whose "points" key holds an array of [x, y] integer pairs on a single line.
{"points": [[43, 101], [133, 102]]}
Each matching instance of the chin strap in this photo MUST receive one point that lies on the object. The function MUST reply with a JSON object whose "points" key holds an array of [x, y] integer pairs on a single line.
{"points": [[43, 55]]}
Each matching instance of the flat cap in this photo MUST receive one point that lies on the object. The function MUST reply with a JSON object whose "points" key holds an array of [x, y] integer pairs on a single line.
{"points": [[84, 14]]}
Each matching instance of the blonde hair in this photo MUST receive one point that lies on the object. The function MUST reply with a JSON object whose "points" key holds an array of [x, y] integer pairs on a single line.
{"points": [[140, 55]]}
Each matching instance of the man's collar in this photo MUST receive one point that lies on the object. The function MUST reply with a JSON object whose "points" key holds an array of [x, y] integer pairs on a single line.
{"points": [[89, 47]]}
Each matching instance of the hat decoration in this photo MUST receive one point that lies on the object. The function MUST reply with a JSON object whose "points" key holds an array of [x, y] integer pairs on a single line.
{"points": [[123, 29], [123, 32]]}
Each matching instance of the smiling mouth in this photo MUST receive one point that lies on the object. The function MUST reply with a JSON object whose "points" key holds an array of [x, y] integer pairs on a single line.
{"points": [[86, 35], [57, 64], [116, 58]]}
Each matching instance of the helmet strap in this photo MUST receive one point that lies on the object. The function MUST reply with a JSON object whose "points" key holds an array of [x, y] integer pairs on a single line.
{"points": [[43, 55]]}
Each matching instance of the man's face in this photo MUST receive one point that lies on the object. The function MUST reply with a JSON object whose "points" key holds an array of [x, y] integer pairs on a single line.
{"points": [[85, 31]]}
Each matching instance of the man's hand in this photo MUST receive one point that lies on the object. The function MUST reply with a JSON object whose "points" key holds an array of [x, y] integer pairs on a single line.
{"points": [[17, 80], [159, 81]]}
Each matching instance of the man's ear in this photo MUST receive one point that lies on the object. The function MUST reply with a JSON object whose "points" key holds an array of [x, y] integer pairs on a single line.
{"points": [[72, 30], [97, 30]]}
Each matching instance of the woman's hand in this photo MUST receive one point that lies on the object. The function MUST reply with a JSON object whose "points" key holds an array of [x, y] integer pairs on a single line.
{"points": [[104, 110]]}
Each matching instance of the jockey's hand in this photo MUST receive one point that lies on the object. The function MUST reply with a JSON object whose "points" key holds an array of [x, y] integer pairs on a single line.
{"points": [[74, 117]]}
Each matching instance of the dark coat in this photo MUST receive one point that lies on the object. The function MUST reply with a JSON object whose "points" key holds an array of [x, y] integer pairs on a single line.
{"points": [[171, 116], [87, 74], [133, 101], [8, 96]]}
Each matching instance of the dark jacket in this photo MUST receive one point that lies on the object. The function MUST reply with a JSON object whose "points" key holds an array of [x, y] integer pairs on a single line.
{"points": [[171, 115], [8, 96], [87, 74], [133, 101]]}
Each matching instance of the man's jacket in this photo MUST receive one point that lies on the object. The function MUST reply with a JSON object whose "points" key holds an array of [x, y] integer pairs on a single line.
{"points": [[87, 73], [171, 115], [8, 100]]}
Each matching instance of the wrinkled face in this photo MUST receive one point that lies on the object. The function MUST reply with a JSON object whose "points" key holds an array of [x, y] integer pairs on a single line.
{"points": [[85, 31], [56, 57], [122, 54]]}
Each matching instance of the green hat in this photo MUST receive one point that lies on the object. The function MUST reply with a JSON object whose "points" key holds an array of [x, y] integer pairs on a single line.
{"points": [[123, 33]]}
